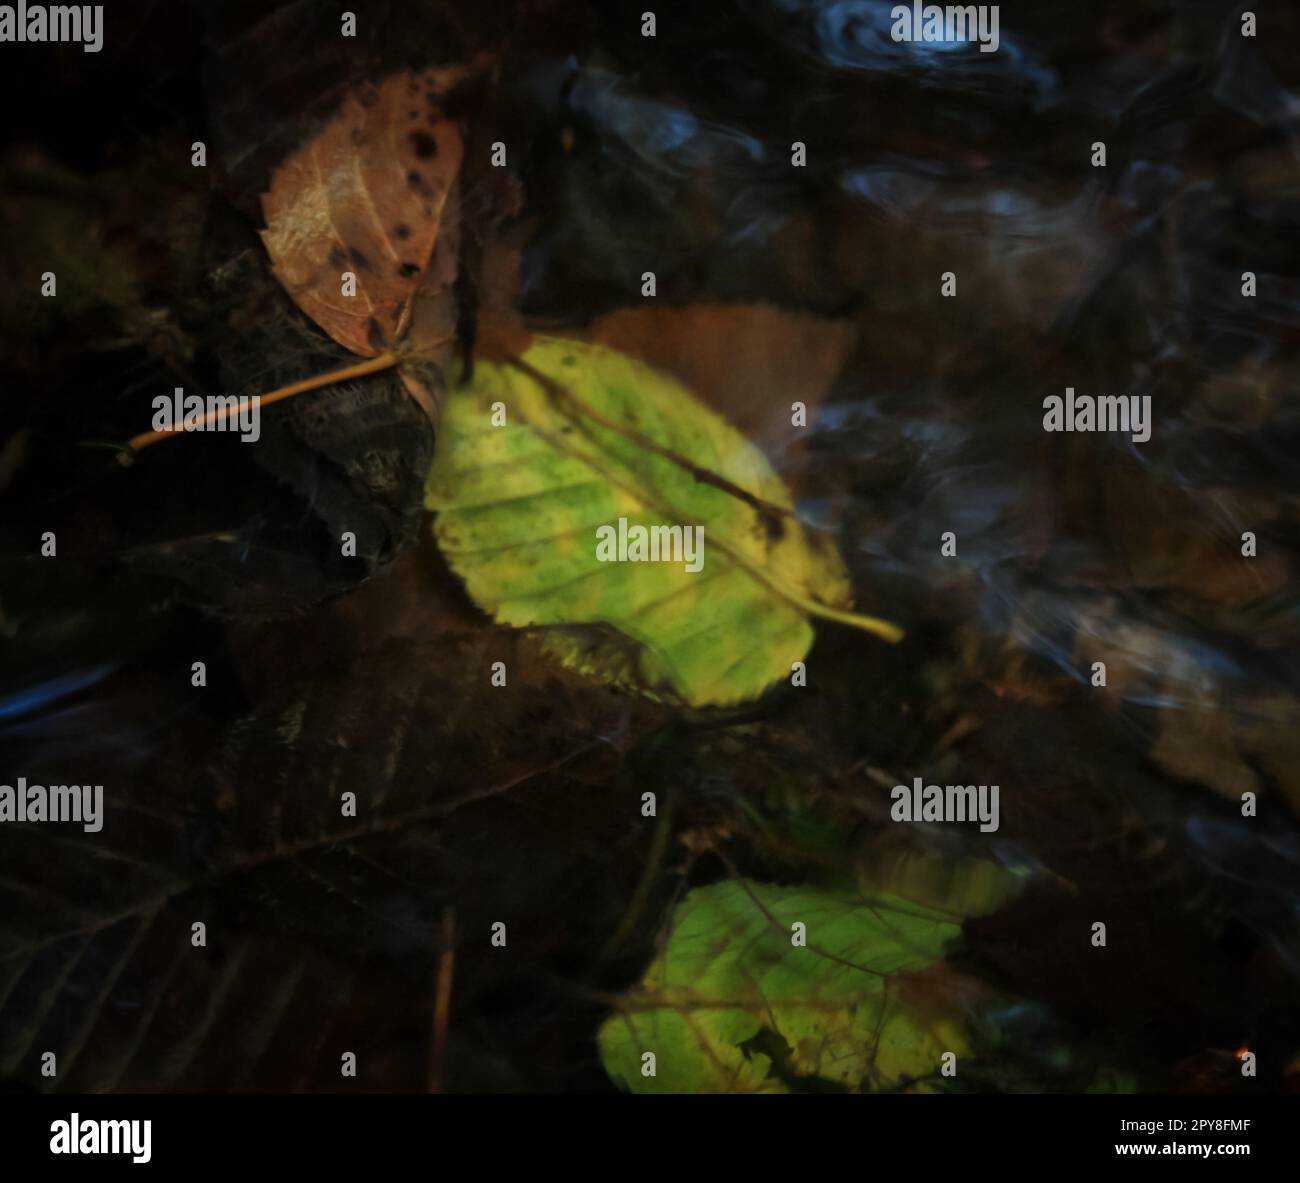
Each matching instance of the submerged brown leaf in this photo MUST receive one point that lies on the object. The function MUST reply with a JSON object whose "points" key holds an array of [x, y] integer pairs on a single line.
{"points": [[367, 196], [750, 362], [363, 231]]}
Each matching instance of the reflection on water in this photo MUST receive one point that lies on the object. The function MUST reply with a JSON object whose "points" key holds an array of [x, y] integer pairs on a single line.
{"points": [[930, 168], [1126, 279]]}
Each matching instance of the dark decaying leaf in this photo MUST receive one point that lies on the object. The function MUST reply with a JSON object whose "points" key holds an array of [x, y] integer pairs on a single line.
{"points": [[323, 930], [352, 458]]}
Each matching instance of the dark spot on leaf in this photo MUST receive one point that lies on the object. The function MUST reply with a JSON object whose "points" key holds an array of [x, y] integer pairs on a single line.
{"points": [[374, 334], [406, 270], [402, 231], [358, 259], [337, 257], [424, 144], [420, 185]]}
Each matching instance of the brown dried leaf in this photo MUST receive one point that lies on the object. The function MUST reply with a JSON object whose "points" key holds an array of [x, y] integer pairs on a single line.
{"points": [[428, 341], [366, 195], [750, 362]]}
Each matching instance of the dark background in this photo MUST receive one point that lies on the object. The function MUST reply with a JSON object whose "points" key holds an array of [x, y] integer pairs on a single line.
{"points": [[328, 674]]}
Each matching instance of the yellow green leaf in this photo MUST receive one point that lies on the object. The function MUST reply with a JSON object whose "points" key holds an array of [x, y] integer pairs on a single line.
{"points": [[732, 989], [537, 453]]}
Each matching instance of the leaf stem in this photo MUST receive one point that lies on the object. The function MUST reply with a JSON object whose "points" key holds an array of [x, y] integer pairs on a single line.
{"points": [[867, 624], [372, 366]]}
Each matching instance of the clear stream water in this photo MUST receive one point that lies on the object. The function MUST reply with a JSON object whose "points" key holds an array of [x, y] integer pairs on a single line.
{"points": [[673, 155]]}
